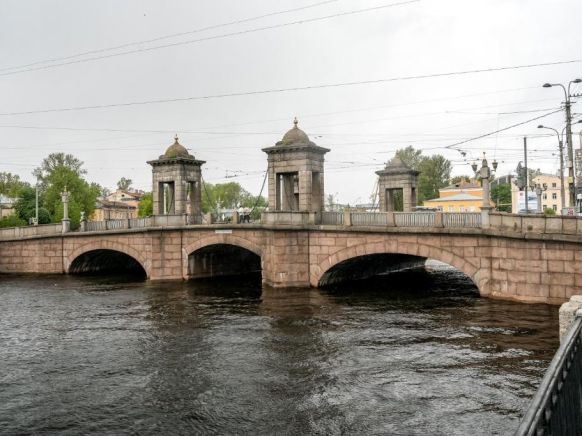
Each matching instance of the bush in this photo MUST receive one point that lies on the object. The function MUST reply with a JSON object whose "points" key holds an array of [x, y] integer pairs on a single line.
{"points": [[548, 211], [12, 221]]}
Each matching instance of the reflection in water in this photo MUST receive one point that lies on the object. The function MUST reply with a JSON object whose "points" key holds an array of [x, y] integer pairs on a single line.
{"points": [[412, 353]]}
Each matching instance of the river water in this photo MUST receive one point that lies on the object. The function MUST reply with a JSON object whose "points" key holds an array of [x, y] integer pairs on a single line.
{"points": [[412, 353]]}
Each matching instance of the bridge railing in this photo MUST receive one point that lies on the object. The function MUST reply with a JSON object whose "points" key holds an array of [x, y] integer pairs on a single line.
{"points": [[23, 232], [414, 219], [556, 408], [369, 219], [462, 219], [332, 218]]}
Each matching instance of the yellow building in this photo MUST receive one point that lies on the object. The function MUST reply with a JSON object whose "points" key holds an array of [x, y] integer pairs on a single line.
{"points": [[460, 197]]}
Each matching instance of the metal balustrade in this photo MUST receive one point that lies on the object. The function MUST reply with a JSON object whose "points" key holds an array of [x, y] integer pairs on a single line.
{"points": [[414, 219], [464, 219], [369, 218], [332, 218], [556, 409], [508, 223]]}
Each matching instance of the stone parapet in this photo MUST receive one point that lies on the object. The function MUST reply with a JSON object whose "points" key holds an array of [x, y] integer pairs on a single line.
{"points": [[568, 313]]}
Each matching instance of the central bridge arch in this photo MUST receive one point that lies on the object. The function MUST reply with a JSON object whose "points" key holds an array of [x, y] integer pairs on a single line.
{"points": [[407, 253], [221, 255]]}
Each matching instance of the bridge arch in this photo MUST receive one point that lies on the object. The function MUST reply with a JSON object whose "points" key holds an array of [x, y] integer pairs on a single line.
{"points": [[226, 240], [411, 250], [110, 246]]}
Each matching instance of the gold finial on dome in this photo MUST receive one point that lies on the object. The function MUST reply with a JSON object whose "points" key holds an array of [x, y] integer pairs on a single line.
{"points": [[295, 121], [176, 138]]}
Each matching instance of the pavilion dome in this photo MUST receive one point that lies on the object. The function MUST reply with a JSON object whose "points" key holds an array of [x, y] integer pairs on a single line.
{"points": [[295, 135], [176, 150]]}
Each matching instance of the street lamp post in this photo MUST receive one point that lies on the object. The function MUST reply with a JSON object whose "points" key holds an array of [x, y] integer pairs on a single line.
{"points": [[561, 148], [571, 181]]}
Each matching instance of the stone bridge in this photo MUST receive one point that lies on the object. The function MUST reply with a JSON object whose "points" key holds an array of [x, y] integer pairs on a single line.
{"points": [[534, 259]]}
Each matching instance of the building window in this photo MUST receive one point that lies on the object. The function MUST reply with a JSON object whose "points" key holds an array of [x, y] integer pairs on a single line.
{"points": [[554, 185], [544, 207], [462, 208], [555, 207], [554, 196], [545, 196]]}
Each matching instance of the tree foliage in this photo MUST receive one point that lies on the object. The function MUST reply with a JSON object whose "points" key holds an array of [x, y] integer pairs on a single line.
{"points": [[124, 184], [26, 206], [435, 171], [146, 205], [410, 157], [12, 221], [501, 195], [61, 171], [228, 196], [10, 184]]}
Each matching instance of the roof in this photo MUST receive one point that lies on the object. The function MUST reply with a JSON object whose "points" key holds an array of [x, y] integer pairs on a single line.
{"points": [[462, 186], [177, 150], [295, 135], [101, 203], [396, 166], [458, 197], [295, 140]]}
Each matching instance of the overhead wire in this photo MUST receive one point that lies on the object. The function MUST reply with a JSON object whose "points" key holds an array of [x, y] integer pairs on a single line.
{"points": [[209, 38], [293, 89], [173, 35]]}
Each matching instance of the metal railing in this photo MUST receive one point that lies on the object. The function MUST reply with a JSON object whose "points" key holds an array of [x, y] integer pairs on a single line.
{"points": [[332, 218], [414, 219], [556, 408], [462, 219], [369, 219]]}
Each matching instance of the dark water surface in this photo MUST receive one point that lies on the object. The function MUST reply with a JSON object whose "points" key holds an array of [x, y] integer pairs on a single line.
{"points": [[408, 354]]}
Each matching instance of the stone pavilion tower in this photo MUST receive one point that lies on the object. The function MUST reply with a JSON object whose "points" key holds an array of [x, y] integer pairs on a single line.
{"points": [[397, 181], [176, 182], [295, 173]]}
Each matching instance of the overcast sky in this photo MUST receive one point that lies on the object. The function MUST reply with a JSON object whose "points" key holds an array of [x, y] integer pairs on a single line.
{"points": [[362, 124]]}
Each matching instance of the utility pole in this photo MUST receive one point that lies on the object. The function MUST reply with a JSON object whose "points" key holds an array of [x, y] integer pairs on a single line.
{"points": [[36, 206], [567, 104], [526, 174], [571, 183]]}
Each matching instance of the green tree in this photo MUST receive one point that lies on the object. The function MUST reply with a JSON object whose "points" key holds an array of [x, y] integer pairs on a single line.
{"points": [[501, 195], [411, 157], [26, 206], [124, 184], [230, 196], [10, 184], [146, 205], [12, 221], [435, 171], [59, 172], [549, 211]]}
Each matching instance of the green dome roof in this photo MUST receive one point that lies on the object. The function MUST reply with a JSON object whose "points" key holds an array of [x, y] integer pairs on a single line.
{"points": [[177, 150], [295, 135]]}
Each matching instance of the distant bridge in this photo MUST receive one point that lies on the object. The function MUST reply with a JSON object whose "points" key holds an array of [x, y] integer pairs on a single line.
{"points": [[525, 258]]}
